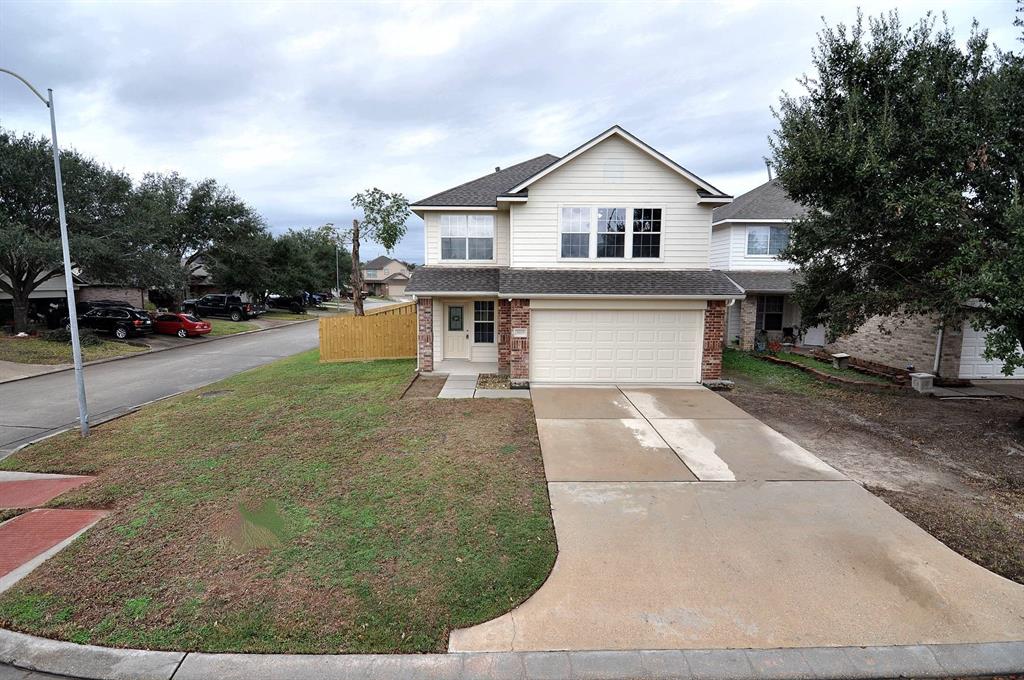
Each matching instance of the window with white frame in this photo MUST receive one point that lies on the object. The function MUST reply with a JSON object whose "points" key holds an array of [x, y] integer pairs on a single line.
{"points": [[767, 240], [646, 232], [467, 237], [483, 321], [575, 232], [611, 232]]}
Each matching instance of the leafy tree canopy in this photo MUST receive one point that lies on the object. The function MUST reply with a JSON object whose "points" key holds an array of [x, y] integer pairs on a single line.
{"points": [[908, 151]]}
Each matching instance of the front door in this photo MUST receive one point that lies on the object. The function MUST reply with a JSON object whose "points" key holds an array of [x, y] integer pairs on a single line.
{"points": [[456, 337]]}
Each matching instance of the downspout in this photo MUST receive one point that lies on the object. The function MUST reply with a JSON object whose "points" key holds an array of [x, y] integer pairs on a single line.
{"points": [[938, 350]]}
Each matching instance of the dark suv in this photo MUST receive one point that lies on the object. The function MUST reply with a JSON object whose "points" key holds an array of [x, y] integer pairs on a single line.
{"points": [[121, 321], [230, 306]]}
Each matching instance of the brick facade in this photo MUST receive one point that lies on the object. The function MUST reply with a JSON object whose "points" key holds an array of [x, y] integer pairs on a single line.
{"points": [[425, 333], [519, 348], [903, 341], [133, 296], [504, 336], [714, 330], [748, 322]]}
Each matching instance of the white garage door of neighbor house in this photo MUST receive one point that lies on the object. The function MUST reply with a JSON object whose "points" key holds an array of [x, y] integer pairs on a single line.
{"points": [[973, 364], [606, 345]]}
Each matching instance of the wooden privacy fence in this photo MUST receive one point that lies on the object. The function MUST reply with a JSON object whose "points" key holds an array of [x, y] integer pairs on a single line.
{"points": [[384, 333]]}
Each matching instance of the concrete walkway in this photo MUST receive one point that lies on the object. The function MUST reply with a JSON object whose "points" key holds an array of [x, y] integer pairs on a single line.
{"points": [[683, 523]]}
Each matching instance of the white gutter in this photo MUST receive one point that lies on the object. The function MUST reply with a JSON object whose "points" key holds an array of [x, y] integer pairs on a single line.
{"points": [[574, 296]]}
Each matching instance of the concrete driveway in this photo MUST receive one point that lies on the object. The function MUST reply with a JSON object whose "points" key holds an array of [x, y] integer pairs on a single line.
{"points": [[683, 523]]}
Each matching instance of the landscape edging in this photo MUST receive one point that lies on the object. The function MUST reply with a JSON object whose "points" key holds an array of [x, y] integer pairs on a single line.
{"points": [[865, 663], [197, 341], [828, 377]]}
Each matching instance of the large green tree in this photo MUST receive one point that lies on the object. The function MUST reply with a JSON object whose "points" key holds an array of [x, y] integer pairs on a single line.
{"points": [[104, 242], [908, 151], [384, 217]]}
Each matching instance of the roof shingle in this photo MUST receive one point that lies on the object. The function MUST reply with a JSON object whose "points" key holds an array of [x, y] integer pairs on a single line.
{"points": [[766, 282], [483, 191], [767, 202], [454, 280]]}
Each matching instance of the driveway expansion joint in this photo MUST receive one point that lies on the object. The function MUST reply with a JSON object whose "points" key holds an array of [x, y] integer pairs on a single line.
{"points": [[825, 663]]}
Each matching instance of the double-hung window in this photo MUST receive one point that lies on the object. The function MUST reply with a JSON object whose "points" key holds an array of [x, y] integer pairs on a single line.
{"points": [[483, 321], [575, 232], [467, 237], [769, 312], [611, 232], [767, 240], [646, 232]]}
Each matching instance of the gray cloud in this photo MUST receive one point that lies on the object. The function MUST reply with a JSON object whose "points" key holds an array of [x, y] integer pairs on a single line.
{"points": [[297, 106]]}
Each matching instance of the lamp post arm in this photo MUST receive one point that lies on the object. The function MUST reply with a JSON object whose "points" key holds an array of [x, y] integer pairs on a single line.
{"points": [[28, 85]]}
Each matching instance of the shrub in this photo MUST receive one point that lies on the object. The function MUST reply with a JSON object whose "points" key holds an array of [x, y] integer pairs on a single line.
{"points": [[86, 337]]}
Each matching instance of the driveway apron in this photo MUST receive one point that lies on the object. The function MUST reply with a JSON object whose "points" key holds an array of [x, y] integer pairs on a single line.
{"points": [[683, 523]]}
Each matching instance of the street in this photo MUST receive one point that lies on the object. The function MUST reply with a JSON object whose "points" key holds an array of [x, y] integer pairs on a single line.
{"points": [[37, 406]]}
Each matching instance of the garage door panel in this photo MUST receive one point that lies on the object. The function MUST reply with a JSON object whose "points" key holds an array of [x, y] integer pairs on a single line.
{"points": [[616, 345], [972, 361]]}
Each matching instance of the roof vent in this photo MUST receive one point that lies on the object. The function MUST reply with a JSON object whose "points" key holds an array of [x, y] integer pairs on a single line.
{"points": [[497, 168]]}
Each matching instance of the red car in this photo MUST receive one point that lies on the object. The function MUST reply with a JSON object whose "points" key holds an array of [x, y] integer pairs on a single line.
{"points": [[182, 325]]}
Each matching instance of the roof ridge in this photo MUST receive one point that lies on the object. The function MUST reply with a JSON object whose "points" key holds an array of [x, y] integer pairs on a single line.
{"points": [[490, 174]]}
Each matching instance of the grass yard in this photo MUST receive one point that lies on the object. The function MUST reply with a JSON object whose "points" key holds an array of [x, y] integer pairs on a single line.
{"points": [[824, 367], [219, 327], [38, 351], [297, 507], [952, 467]]}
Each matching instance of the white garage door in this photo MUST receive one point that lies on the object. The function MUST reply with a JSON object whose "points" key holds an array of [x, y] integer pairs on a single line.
{"points": [[604, 345], [973, 364]]}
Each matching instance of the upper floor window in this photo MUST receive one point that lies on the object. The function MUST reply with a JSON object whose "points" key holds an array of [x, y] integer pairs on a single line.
{"points": [[467, 237], [767, 240], [371, 273], [611, 232], [575, 232], [646, 232]]}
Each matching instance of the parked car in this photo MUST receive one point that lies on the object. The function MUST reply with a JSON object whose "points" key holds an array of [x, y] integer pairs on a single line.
{"points": [[123, 322], [293, 303], [180, 324], [230, 306], [89, 305]]}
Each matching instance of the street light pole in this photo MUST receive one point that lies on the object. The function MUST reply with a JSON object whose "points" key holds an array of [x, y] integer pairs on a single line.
{"points": [[76, 346]]}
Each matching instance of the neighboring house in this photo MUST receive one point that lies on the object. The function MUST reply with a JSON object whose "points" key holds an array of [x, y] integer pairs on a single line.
{"points": [[589, 268], [747, 235], [746, 239], [385, 276]]}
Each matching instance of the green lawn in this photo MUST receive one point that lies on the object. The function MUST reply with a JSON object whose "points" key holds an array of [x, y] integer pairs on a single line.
{"points": [[297, 507], [228, 327], [743, 365], [847, 373], [284, 315], [38, 351]]}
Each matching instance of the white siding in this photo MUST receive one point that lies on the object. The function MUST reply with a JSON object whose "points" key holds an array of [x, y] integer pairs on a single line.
{"points": [[644, 182], [720, 244], [733, 323], [738, 258], [438, 318], [432, 236]]}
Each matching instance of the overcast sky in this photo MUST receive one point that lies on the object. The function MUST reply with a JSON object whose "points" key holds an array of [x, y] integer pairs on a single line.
{"points": [[297, 106]]}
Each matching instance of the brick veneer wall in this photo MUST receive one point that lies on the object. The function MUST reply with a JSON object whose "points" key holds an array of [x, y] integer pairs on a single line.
{"points": [[908, 339], [133, 296], [519, 348], [748, 321], [504, 335], [714, 327], [425, 333]]}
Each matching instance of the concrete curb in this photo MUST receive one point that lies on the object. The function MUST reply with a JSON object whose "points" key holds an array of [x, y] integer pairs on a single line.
{"points": [[825, 663], [193, 343]]}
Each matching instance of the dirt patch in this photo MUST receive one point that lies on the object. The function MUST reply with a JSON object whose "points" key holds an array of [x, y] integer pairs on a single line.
{"points": [[425, 387], [956, 468], [493, 381]]}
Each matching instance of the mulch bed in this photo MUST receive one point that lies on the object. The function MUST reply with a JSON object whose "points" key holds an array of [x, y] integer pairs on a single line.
{"points": [[493, 381]]}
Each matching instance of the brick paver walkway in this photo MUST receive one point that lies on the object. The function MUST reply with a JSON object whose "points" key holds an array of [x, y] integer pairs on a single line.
{"points": [[31, 493], [29, 535]]}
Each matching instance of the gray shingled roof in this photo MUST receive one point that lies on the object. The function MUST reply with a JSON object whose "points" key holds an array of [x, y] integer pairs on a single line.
{"points": [[767, 202], [484, 191], [521, 282], [454, 280], [377, 262], [766, 282], [615, 282]]}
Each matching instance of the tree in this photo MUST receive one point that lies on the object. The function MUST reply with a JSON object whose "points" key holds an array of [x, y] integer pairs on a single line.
{"points": [[103, 241], [908, 152], [187, 221], [384, 217]]}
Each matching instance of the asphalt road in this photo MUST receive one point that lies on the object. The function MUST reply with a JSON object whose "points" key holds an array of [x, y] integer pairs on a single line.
{"points": [[44, 404]]}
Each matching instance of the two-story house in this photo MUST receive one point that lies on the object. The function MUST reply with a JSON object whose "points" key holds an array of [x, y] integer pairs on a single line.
{"points": [[385, 276], [593, 267], [746, 239]]}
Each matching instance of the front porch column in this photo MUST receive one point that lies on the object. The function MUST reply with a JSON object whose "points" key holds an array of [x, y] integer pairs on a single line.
{"points": [[748, 322], [425, 333], [504, 336], [519, 343], [714, 326]]}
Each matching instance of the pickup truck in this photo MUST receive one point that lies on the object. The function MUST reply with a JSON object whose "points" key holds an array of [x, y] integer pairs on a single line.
{"points": [[230, 306]]}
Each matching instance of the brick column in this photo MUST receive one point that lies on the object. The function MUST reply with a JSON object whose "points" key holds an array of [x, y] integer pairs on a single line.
{"points": [[748, 322], [504, 335], [714, 325], [519, 348], [425, 333]]}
